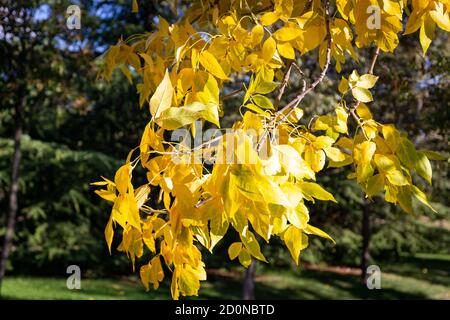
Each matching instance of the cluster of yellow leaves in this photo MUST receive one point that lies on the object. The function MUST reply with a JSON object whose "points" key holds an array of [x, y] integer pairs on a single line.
{"points": [[359, 86], [257, 197], [386, 161], [426, 15], [375, 21], [183, 72]]}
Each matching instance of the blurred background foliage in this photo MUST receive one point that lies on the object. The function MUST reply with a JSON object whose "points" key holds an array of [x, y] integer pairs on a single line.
{"points": [[78, 128]]}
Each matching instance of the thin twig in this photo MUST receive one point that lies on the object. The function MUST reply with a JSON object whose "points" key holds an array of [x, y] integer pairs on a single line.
{"points": [[232, 94], [302, 76], [283, 85], [294, 103], [374, 60]]}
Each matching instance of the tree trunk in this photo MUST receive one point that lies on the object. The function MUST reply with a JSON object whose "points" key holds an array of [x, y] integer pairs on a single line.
{"points": [[14, 189], [249, 282], [365, 232]]}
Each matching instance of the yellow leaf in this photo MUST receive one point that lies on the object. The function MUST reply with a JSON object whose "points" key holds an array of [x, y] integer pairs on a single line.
{"points": [[122, 178], [135, 6], [334, 154], [374, 185], [148, 60], [295, 241], [299, 216], [423, 166], [284, 7], [432, 155], [441, 18], [210, 63], [234, 250], [392, 137], [426, 34], [347, 161], [176, 117], [316, 231], [292, 162], [311, 189], [257, 109], [366, 81], [127, 73], [269, 48], [152, 273], [287, 33], [252, 121], [257, 187], [407, 154], [162, 98], [285, 49], [106, 194], [343, 85], [404, 198], [189, 279], [396, 177], [262, 101], [315, 158], [363, 112], [269, 18], [244, 258], [109, 233], [99, 183], [420, 195], [257, 34], [362, 94], [364, 151], [323, 142], [252, 245]]}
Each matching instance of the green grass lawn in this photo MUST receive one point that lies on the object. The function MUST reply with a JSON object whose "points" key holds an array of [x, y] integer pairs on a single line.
{"points": [[421, 277]]}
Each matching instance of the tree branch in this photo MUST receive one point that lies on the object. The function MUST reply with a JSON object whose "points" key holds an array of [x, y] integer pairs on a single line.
{"points": [[374, 61], [232, 94], [294, 103], [283, 84]]}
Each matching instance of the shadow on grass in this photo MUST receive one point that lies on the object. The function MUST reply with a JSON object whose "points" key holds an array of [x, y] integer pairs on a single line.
{"points": [[433, 270], [304, 285], [410, 278]]}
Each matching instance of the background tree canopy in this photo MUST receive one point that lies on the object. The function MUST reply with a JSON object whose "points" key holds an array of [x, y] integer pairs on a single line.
{"points": [[77, 127]]}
